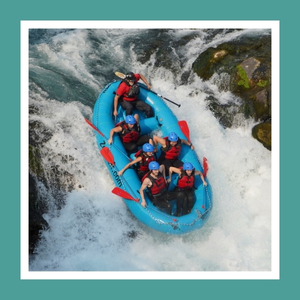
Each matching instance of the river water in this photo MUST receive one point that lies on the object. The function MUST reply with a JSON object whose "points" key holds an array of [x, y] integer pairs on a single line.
{"points": [[93, 230]]}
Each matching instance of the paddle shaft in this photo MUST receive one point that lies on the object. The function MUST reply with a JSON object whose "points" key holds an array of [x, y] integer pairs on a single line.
{"points": [[186, 131], [108, 156], [161, 96]]}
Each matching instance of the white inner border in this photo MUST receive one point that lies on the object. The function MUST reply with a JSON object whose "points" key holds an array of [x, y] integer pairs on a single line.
{"points": [[25, 273]]}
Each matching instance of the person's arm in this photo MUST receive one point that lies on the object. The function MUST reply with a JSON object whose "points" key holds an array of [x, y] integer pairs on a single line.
{"points": [[138, 159], [162, 169], [146, 183], [145, 81], [157, 139], [116, 100], [175, 170], [188, 144], [112, 131], [202, 177], [137, 118]]}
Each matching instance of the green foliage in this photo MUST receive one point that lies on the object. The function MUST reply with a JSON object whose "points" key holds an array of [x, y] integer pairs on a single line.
{"points": [[244, 78], [262, 83]]}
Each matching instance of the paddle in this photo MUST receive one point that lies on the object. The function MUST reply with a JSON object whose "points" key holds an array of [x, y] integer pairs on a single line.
{"points": [[123, 194], [186, 131], [121, 75], [205, 166], [108, 156], [94, 127]]}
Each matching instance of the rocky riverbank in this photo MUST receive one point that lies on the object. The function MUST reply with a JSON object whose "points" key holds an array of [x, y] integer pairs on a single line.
{"points": [[246, 65]]}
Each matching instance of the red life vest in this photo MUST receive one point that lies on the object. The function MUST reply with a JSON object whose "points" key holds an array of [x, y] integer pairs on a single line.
{"points": [[158, 185], [186, 182], [129, 92], [171, 152], [129, 135], [143, 164]]}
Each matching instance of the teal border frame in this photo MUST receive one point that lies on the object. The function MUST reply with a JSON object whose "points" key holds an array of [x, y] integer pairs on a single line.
{"points": [[13, 287]]}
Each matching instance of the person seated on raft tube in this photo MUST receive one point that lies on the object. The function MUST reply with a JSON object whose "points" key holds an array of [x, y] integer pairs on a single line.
{"points": [[129, 132], [143, 157], [128, 92], [170, 150], [155, 181], [186, 184]]}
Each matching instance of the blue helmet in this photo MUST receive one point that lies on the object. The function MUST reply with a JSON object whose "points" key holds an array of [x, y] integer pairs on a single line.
{"points": [[188, 166], [148, 147], [130, 120], [173, 137], [153, 165]]}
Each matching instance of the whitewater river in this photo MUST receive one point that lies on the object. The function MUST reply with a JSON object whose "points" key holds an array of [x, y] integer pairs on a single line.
{"points": [[93, 230]]}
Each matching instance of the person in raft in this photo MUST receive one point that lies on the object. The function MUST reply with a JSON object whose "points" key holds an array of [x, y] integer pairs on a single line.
{"points": [[127, 92], [129, 132], [186, 184], [143, 157], [170, 150], [155, 181]]}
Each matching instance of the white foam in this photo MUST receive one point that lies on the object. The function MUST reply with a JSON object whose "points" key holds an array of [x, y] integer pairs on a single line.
{"points": [[94, 227]]}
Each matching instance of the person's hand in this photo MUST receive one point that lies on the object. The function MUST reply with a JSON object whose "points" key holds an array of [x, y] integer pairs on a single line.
{"points": [[204, 183], [155, 150], [144, 204], [120, 173], [115, 113], [168, 180], [149, 86], [192, 147], [110, 141]]}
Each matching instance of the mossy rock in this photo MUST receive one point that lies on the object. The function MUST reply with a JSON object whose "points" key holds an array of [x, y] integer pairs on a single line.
{"points": [[262, 132], [227, 56], [35, 164]]}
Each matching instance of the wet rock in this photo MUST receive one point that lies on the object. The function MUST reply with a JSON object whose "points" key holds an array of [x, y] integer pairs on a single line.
{"points": [[49, 179], [247, 61], [262, 132], [250, 65], [36, 209]]}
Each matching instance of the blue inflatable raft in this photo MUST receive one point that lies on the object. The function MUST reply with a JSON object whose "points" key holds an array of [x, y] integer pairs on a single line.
{"points": [[163, 122]]}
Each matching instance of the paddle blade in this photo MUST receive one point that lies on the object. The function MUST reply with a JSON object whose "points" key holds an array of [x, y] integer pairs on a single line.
{"points": [[123, 194], [108, 156], [119, 74], [205, 166], [94, 127], [185, 129]]}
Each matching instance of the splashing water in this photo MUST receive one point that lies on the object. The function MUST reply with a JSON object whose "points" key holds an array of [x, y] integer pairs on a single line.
{"points": [[68, 69]]}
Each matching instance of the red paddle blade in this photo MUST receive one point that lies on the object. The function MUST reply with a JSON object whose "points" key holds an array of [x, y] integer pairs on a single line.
{"points": [[108, 156], [121, 193], [185, 129], [94, 127], [205, 166]]}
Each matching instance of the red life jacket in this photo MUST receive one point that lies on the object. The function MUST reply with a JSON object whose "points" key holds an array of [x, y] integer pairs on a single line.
{"points": [[143, 164], [186, 182], [158, 185], [171, 152], [128, 135], [131, 91]]}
